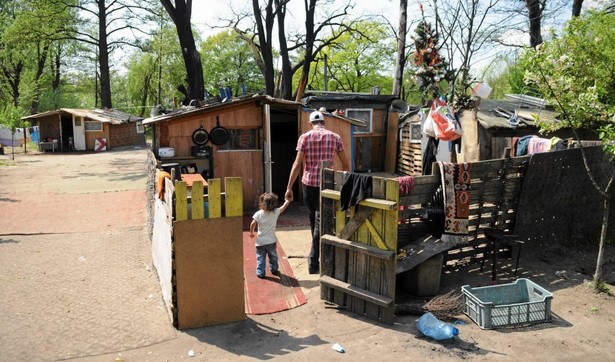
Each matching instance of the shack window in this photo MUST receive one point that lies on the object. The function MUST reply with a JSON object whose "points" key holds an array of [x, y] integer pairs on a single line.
{"points": [[364, 115], [93, 126], [242, 139], [140, 127]]}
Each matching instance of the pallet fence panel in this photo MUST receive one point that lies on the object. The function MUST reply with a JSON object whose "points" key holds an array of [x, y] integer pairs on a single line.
{"points": [[344, 259], [358, 273], [375, 265], [327, 226], [390, 236]]}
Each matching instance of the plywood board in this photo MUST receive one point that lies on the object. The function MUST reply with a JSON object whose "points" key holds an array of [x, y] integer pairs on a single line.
{"points": [[209, 272]]}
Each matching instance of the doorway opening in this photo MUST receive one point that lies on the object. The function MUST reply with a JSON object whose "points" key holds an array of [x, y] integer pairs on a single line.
{"points": [[67, 133], [284, 136]]}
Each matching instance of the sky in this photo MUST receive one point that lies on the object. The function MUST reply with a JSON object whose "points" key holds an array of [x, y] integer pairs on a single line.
{"points": [[206, 15], [205, 12]]}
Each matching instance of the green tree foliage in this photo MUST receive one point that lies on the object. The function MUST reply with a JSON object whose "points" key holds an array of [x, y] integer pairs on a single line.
{"points": [[576, 73], [359, 60], [153, 74], [228, 61]]}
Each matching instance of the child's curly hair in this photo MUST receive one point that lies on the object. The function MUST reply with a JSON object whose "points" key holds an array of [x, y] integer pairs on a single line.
{"points": [[268, 201]]}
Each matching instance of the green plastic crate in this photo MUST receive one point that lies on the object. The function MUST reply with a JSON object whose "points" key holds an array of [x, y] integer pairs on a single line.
{"points": [[521, 302]]}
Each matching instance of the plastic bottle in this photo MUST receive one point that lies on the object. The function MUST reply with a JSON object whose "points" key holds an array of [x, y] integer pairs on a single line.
{"points": [[434, 328]]}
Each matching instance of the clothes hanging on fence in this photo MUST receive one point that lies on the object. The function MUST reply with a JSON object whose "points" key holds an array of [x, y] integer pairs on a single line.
{"points": [[429, 156], [522, 145], [406, 184], [355, 188], [538, 145], [456, 178], [560, 145]]}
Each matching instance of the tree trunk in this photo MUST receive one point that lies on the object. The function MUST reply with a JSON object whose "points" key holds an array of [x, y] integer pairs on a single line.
{"points": [[13, 77], [401, 47], [181, 14], [55, 68], [534, 8], [576, 7], [40, 67], [264, 43], [310, 8], [600, 259], [103, 57], [286, 85]]}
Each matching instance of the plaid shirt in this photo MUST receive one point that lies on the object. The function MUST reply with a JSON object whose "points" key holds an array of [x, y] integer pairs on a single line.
{"points": [[317, 145]]}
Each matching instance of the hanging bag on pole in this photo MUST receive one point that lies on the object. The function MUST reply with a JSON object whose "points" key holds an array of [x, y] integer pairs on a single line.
{"points": [[445, 123]]}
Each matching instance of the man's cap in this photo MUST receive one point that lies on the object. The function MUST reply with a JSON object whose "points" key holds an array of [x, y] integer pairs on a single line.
{"points": [[316, 116]]}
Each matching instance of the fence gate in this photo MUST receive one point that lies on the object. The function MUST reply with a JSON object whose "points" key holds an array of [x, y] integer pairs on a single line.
{"points": [[358, 248]]}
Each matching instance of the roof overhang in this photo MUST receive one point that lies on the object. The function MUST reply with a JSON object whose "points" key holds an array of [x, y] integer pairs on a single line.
{"points": [[219, 106], [96, 115]]}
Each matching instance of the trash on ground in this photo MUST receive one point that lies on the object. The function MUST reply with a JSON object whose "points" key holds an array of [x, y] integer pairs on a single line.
{"points": [[338, 347]]}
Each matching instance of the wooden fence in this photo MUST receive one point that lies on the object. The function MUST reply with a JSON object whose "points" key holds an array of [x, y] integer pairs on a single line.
{"points": [[198, 254]]}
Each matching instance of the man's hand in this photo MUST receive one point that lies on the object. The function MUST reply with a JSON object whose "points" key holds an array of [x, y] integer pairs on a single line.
{"points": [[288, 195], [251, 234]]}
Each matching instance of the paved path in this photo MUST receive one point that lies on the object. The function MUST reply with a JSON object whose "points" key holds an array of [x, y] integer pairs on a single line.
{"points": [[76, 277]]}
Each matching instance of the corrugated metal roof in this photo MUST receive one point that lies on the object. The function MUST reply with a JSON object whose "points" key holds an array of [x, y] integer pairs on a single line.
{"points": [[190, 110], [105, 115], [496, 113], [187, 111]]}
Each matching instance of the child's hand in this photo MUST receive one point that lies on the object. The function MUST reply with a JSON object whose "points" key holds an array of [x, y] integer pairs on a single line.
{"points": [[251, 235]]}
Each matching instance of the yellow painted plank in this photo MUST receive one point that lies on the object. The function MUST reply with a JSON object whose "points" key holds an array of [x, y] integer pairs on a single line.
{"points": [[370, 202], [198, 211], [181, 201], [340, 217], [390, 223], [234, 196], [215, 198], [376, 237]]}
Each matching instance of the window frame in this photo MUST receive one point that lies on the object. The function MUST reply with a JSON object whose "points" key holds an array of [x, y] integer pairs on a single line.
{"points": [[361, 130], [86, 122]]}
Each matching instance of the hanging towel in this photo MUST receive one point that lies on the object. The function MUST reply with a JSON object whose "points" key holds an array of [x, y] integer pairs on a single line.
{"points": [[522, 145], [406, 184], [538, 145], [456, 178], [355, 188]]}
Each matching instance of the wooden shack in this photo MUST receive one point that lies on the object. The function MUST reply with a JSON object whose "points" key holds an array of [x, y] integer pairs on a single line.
{"points": [[496, 124], [260, 148], [68, 129], [374, 145], [488, 131]]}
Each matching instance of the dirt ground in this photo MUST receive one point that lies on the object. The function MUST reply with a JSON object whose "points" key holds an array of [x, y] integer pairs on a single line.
{"points": [[77, 283]]}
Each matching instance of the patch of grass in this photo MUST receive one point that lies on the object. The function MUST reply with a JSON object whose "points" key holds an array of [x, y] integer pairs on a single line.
{"points": [[603, 287]]}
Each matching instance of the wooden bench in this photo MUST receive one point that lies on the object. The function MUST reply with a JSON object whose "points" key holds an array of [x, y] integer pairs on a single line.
{"points": [[364, 248]]}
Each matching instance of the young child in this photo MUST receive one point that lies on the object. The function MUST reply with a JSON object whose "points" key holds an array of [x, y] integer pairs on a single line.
{"points": [[265, 220]]}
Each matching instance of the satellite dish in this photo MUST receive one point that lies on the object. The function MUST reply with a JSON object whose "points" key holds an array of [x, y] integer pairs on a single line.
{"points": [[400, 106]]}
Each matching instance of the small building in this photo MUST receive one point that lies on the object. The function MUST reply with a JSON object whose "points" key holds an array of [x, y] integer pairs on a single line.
{"points": [[497, 124], [70, 129], [490, 129], [252, 137], [374, 145]]}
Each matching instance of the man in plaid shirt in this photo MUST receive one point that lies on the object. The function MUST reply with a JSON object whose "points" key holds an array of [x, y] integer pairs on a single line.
{"points": [[313, 147]]}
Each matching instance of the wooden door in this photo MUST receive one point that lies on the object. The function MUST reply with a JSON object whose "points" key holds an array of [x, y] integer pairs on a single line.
{"points": [[358, 249]]}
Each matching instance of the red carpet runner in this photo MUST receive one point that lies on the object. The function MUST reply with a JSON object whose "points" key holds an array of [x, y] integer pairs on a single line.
{"points": [[272, 293]]}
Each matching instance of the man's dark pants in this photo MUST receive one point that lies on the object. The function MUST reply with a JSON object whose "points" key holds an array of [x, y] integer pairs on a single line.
{"points": [[311, 198]]}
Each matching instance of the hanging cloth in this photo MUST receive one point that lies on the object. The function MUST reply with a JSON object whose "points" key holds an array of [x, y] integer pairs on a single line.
{"points": [[355, 188]]}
